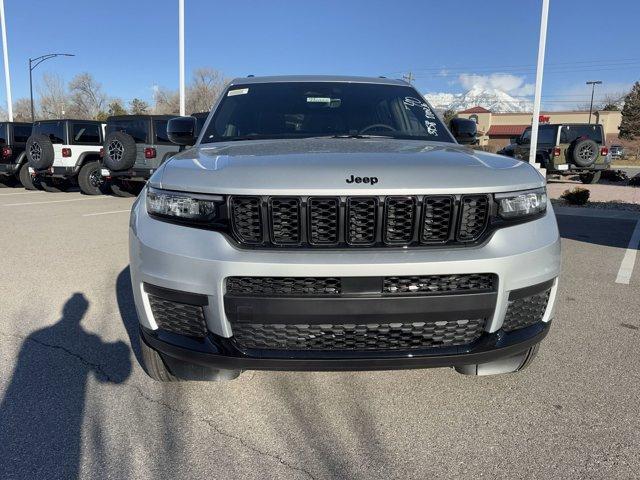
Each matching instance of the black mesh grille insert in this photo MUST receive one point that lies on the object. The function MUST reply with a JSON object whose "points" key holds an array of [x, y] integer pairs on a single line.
{"points": [[285, 220], [247, 223], [480, 282], [178, 317], [473, 217], [379, 221], [361, 220], [399, 219], [526, 311], [388, 336], [284, 286], [436, 226], [324, 220]]}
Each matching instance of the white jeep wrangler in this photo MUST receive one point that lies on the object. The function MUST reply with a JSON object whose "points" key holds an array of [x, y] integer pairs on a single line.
{"points": [[62, 153]]}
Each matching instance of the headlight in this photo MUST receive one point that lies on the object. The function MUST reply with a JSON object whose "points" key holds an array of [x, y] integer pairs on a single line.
{"points": [[183, 206], [516, 205]]}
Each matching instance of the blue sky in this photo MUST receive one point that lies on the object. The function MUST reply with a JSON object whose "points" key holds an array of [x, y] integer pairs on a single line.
{"points": [[130, 46]]}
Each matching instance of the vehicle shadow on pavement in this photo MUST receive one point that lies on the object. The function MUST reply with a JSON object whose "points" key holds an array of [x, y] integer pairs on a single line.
{"points": [[42, 411], [609, 232], [127, 307]]}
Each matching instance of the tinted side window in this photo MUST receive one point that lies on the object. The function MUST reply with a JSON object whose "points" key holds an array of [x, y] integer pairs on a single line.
{"points": [[86, 134], [21, 133], [160, 127], [547, 135], [570, 133], [53, 130], [3, 134], [137, 128]]}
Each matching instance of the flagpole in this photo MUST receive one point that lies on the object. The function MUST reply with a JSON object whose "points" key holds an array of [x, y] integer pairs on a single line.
{"points": [[538, 92], [5, 49]]}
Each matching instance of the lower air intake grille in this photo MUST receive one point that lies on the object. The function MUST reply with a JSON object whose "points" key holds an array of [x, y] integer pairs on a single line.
{"points": [[480, 282], [284, 286], [526, 311], [389, 336], [178, 317]]}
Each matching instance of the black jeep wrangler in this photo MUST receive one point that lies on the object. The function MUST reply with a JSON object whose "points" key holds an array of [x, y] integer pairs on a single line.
{"points": [[568, 149], [13, 161]]}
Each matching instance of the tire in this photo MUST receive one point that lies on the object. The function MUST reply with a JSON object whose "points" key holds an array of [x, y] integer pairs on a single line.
{"points": [[90, 181], [153, 365], [39, 151], [124, 188], [584, 152], [52, 185], [26, 179], [591, 177], [119, 151]]}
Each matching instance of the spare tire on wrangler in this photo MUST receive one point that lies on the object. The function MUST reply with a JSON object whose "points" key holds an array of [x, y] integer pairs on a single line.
{"points": [[119, 151], [584, 152], [39, 151]]}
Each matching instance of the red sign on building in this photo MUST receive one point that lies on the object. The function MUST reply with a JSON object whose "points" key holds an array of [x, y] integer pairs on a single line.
{"points": [[544, 118]]}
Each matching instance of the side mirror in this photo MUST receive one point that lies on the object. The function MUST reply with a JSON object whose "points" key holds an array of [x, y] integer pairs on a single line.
{"points": [[464, 130], [182, 130]]}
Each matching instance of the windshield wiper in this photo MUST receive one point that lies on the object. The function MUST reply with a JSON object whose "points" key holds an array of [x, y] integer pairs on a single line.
{"points": [[359, 135]]}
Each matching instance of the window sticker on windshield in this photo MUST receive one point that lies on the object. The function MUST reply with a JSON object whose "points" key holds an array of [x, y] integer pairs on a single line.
{"points": [[431, 127], [318, 100], [416, 102], [238, 91]]}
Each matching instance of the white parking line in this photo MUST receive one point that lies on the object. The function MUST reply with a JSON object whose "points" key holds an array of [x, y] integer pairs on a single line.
{"points": [[56, 201], [105, 213], [629, 260]]}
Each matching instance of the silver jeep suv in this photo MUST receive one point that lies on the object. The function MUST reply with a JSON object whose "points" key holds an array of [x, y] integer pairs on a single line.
{"points": [[335, 223]]}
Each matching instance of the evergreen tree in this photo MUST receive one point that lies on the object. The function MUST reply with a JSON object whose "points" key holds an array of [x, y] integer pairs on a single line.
{"points": [[630, 125], [139, 107]]}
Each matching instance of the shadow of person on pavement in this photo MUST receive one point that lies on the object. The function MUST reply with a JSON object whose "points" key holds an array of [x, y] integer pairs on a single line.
{"points": [[42, 411]]}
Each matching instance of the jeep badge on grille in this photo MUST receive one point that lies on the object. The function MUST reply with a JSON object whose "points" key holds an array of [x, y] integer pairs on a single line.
{"points": [[354, 179]]}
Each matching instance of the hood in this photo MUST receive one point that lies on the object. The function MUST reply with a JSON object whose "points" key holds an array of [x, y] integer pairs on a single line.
{"points": [[342, 166]]}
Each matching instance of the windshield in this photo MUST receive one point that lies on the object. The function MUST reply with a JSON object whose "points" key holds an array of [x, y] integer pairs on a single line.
{"points": [[311, 109]]}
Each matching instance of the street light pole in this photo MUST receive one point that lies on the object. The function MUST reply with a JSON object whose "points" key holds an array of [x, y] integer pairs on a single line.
{"points": [[593, 89], [33, 63], [5, 49], [537, 99]]}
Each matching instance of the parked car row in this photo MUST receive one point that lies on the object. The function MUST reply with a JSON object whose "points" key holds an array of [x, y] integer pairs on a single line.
{"points": [[119, 155]]}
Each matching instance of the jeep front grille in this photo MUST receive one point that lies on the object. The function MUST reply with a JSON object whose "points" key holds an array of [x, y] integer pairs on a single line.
{"points": [[359, 221], [383, 336]]}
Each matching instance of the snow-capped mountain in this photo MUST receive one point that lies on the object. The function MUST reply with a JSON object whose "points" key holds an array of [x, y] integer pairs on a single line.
{"points": [[489, 98]]}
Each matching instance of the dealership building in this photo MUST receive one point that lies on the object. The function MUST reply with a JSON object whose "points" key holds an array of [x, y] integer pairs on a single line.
{"points": [[495, 130]]}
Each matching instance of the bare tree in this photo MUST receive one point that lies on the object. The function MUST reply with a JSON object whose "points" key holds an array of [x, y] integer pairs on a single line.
{"points": [[206, 85], [166, 102], [53, 97], [86, 98], [22, 110], [4, 116]]}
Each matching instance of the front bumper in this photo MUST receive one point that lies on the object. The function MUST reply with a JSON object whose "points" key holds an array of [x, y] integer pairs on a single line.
{"points": [[219, 353], [198, 262]]}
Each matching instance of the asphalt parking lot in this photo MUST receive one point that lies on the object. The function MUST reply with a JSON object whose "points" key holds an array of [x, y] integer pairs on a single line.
{"points": [[75, 403]]}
